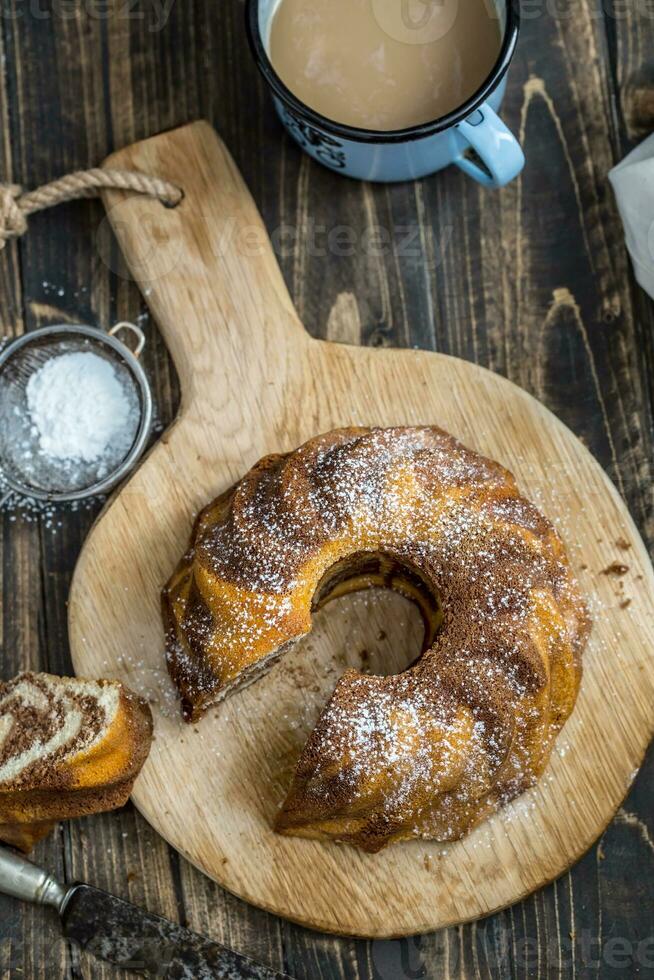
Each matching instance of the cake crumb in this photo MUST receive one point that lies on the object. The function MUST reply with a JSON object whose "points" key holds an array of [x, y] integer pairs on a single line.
{"points": [[615, 568]]}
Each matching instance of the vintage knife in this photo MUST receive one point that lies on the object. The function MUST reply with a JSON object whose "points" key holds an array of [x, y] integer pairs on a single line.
{"points": [[122, 934]]}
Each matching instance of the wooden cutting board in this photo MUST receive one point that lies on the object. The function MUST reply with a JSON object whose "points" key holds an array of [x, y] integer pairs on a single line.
{"points": [[255, 382]]}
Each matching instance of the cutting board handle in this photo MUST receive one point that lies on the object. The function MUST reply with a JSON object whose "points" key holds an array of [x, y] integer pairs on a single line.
{"points": [[211, 254]]}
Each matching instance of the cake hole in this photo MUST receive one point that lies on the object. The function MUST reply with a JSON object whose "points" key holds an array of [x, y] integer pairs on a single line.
{"points": [[376, 631], [392, 614]]}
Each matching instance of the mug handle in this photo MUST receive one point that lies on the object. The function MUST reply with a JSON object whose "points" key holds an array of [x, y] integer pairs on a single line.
{"points": [[496, 146]]}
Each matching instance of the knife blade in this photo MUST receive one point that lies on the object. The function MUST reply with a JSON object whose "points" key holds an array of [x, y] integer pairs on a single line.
{"points": [[125, 935]]}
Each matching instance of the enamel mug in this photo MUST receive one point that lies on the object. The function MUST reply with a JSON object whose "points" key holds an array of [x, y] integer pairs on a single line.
{"points": [[473, 136]]}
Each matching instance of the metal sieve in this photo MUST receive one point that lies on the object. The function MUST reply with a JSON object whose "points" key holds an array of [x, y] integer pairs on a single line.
{"points": [[29, 473]]}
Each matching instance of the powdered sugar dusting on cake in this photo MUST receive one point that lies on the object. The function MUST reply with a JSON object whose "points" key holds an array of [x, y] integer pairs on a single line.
{"points": [[471, 725], [286, 508]]}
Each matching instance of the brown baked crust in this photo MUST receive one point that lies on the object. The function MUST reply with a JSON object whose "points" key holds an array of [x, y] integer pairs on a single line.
{"points": [[429, 752], [94, 774]]}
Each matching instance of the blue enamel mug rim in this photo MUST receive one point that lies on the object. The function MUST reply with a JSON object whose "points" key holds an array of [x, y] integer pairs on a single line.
{"points": [[476, 100]]}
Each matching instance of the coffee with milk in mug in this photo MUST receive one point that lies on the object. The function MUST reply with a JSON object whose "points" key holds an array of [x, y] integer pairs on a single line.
{"points": [[384, 64]]}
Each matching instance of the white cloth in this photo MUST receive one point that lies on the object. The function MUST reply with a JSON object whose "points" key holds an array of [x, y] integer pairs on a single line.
{"points": [[633, 183]]}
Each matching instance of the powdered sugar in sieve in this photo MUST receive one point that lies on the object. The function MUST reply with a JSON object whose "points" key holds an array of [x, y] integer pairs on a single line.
{"points": [[75, 411]]}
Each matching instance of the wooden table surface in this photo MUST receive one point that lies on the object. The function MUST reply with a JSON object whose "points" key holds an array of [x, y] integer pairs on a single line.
{"points": [[532, 281]]}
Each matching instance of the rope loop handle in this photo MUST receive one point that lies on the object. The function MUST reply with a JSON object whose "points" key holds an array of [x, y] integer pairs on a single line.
{"points": [[15, 206]]}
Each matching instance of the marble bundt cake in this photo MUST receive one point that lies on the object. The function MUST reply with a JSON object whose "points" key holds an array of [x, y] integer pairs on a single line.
{"points": [[433, 750], [68, 747]]}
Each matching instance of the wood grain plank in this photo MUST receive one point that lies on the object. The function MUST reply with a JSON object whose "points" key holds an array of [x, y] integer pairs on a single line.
{"points": [[624, 856], [64, 278], [213, 911], [29, 944]]}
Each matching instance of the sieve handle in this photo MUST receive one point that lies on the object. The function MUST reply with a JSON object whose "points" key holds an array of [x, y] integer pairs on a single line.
{"points": [[137, 350]]}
